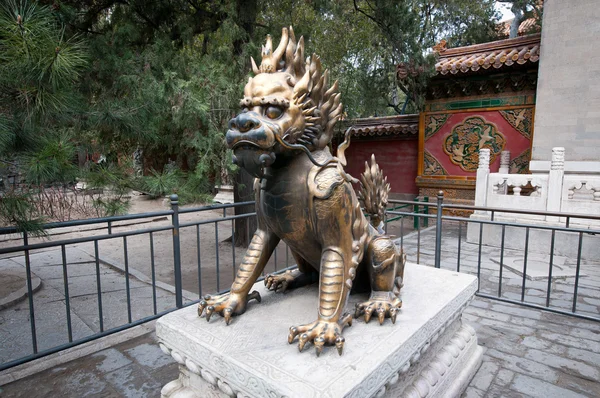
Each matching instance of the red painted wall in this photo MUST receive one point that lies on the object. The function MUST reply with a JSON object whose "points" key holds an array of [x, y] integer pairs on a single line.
{"points": [[397, 158]]}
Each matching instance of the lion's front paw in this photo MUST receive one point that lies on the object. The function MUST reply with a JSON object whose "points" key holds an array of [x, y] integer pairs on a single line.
{"points": [[321, 333], [226, 305], [279, 282], [383, 304]]}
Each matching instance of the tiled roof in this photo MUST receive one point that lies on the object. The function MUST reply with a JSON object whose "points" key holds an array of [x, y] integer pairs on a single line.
{"points": [[385, 126], [529, 25], [496, 55]]}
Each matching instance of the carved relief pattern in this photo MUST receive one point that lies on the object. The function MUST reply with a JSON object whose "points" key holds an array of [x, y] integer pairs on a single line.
{"points": [[467, 138], [432, 166], [433, 123], [381, 382], [520, 164], [520, 119]]}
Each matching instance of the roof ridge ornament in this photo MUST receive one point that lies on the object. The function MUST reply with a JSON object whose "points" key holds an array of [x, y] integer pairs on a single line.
{"points": [[440, 47]]}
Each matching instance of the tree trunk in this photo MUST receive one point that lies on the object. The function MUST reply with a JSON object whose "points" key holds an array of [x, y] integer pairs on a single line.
{"points": [[516, 22], [243, 191], [243, 183]]}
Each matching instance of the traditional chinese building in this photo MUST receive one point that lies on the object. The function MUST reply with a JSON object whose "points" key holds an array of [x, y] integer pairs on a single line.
{"points": [[482, 96]]}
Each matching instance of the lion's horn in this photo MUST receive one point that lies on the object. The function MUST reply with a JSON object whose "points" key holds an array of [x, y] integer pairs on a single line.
{"points": [[281, 47], [254, 67]]}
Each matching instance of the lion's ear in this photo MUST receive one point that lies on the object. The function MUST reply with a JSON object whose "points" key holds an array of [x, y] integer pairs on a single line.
{"points": [[320, 106]]}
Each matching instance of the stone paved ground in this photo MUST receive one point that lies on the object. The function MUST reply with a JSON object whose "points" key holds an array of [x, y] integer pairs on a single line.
{"points": [[528, 352], [561, 288], [50, 305]]}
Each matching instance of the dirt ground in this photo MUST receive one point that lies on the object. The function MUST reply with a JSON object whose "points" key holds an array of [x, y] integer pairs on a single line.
{"points": [[207, 270]]}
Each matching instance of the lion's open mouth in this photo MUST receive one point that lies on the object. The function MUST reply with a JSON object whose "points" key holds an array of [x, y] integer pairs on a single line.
{"points": [[261, 138], [246, 145]]}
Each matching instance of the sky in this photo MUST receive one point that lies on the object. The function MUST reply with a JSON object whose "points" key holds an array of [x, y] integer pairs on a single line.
{"points": [[504, 8]]}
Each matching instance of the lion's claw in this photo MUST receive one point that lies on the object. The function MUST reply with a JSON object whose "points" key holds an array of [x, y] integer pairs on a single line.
{"points": [[383, 304], [209, 312], [321, 333], [254, 296], [339, 344], [227, 312], [279, 282], [226, 305]]}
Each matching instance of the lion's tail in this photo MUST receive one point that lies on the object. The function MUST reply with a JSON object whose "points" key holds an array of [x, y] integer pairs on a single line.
{"points": [[373, 193]]}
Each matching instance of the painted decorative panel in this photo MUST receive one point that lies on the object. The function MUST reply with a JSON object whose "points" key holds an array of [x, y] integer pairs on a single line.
{"points": [[452, 140]]}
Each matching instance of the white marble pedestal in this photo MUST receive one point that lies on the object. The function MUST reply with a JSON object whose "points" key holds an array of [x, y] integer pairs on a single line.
{"points": [[429, 352]]}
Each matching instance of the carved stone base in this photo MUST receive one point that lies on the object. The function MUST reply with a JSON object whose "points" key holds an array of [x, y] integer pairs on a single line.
{"points": [[429, 352]]}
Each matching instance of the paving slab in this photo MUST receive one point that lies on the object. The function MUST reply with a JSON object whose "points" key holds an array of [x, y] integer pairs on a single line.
{"points": [[515, 365], [13, 283], [50, 301], [532, 387], [533, 350], [538, 266]]}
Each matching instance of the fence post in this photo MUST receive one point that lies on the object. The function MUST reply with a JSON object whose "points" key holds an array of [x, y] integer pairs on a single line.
{"points": [[426, 207], [416, 211], [438, 229], [176, 250]]}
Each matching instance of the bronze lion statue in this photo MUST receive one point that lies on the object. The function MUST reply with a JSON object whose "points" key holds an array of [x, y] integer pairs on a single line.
{"points": [[304, 197]]}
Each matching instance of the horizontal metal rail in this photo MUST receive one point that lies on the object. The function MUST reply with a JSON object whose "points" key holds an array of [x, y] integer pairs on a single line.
{"points": [[216, 207], [222, 219], [504, 210], [522, 225], [127, 217], [88, 221], [45, 245], [538, 307]]}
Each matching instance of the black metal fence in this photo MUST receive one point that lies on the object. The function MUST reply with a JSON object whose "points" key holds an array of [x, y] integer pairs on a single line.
{"points": [[170, 272], [484, 233], [149, 265]]}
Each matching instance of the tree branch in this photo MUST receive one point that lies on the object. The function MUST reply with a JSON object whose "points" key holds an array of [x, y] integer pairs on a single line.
{"points": [[395, 107]]}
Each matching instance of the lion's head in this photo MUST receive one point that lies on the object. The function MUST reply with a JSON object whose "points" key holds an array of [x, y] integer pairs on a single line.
{"points": [[287, 107]]}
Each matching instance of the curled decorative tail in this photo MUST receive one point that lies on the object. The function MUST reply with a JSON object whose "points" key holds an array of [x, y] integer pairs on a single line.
{"points": [[373, 193]]}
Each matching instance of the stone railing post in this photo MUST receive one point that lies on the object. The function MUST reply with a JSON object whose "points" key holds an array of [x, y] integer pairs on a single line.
{"points": [[555, 182], [504, 167], [504, 162], [481, 185]]}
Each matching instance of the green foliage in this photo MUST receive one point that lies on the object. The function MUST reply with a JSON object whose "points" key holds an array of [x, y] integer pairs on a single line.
{"points": [[52, 163], [110, 206], [406, 31], [191, 187], [160, 184], [38, 68], [163, 78], [18, 209]]}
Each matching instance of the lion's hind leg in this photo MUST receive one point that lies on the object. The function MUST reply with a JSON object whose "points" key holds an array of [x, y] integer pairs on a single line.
{"points": [[302, 275], [385, 265]]}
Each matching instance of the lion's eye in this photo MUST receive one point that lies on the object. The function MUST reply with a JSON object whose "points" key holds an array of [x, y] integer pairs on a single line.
{"points": [[273, 112]]}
